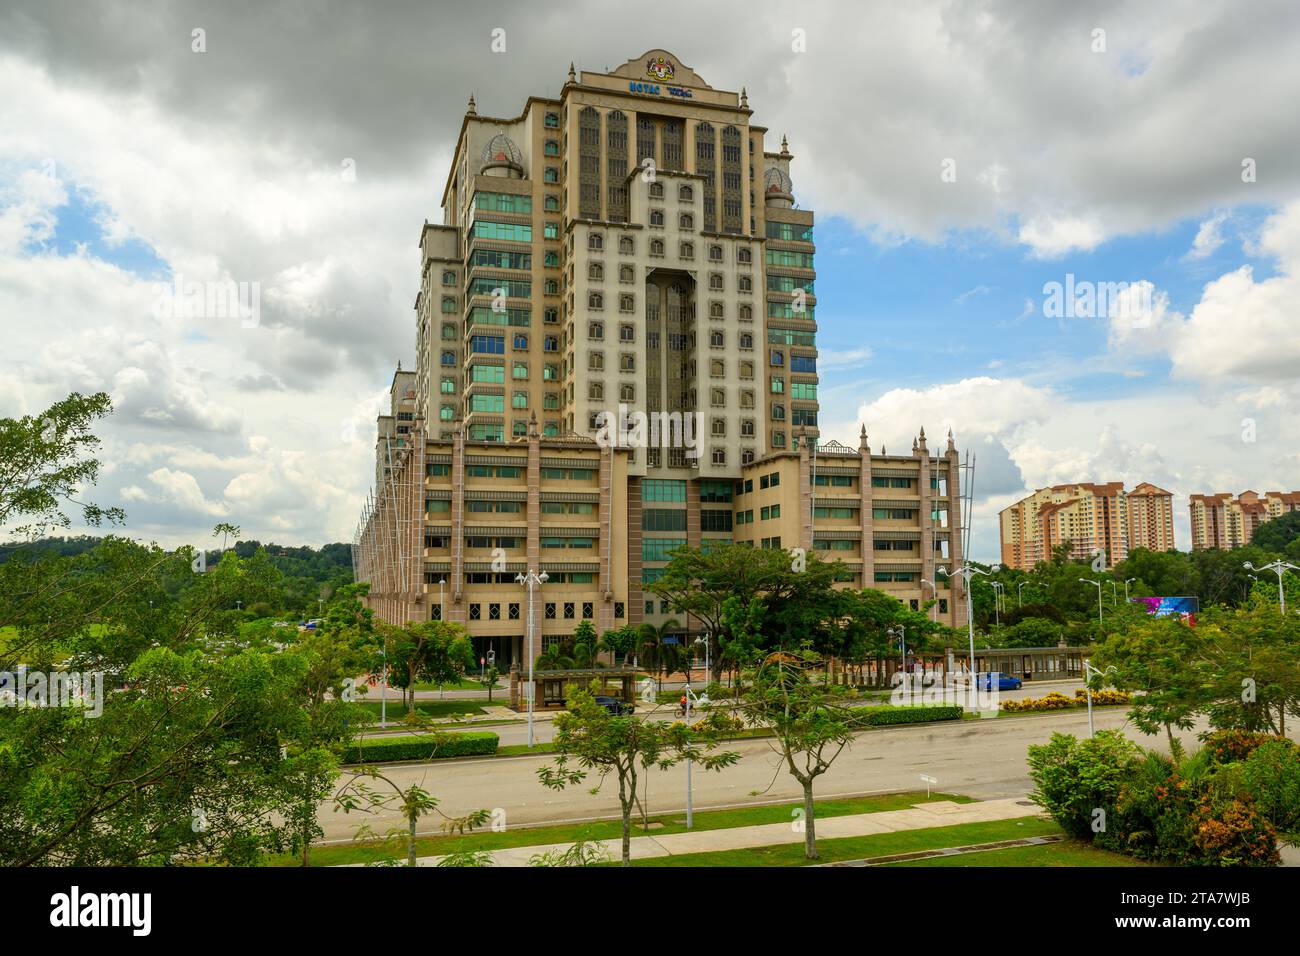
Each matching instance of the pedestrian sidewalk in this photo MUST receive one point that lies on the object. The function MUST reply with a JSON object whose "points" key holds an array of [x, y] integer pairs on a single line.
{"points": [[941, 813]]}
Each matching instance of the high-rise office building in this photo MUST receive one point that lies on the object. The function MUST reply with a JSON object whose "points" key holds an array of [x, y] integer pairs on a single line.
{"points": [[626, 258]]}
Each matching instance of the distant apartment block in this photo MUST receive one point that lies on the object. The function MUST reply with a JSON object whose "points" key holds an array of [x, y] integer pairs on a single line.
{"points": [[1150, 518], [1089, 516], [1222, 521]]}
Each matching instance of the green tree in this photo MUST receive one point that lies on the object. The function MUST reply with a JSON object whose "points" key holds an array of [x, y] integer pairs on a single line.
{"points": [[46, 460], [434, 652], [588, 739], [809, 720]]}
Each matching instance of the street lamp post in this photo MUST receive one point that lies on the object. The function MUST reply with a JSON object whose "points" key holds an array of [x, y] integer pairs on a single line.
{"points": [[383, 689], [1019, 601], [690, 811], [442, 599], [531, 580], [1098, 586], [1127, 582], [1280, 567], [1088, 672], [934, 595], [966, 572], [1114, 593], [708, 657], [900, 633], [997, 600]]}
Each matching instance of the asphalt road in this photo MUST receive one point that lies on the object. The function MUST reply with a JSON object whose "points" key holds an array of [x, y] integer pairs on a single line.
{"points": [[543, 730], [982, 759]]}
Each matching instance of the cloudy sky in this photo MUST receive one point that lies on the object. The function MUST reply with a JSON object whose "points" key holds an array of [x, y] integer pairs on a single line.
{"points": [[960, 158]]}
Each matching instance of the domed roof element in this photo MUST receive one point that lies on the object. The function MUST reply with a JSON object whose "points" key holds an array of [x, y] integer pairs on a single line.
{"points": [[501, 150], [776, 181]]}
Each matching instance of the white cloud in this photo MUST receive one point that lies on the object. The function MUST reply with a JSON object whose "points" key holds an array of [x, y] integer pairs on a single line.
{"points": [[1208, 237], [1050, 237]]}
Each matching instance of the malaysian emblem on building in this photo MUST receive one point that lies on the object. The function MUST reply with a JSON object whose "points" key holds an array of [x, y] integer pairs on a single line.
{"points": [[660, 67]]}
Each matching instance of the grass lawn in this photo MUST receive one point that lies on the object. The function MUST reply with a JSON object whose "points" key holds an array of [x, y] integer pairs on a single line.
{"points": [[612, 829], [1065, 853], [429, 708], [463, 684], [858, 848]]}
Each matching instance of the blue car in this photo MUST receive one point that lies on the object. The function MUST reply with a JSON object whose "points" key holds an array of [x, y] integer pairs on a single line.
{"points": [[1004, 681]]}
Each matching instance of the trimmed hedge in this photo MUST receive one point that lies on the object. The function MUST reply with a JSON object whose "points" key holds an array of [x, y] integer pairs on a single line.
{"points": [[380, 750], [880, 716]]}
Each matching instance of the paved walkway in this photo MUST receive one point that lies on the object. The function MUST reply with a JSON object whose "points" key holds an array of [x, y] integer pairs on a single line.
{"points": [[940, 813]]}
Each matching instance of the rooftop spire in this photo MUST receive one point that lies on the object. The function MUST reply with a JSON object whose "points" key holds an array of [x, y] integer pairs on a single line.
{"points": [[744, 98], [472, 110], [573, 76]]}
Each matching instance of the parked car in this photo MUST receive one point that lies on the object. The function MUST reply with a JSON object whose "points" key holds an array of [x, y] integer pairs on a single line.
{"points": [[1004, 681], [614, 706]]}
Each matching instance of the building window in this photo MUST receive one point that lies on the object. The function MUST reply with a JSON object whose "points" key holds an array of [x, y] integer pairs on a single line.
{"points": [[449, 278], [685, 194], [596, 330], [686, 221]]}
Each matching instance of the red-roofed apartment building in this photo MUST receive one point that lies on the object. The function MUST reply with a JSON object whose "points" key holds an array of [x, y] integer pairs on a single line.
{"points": [[1222, 521]]}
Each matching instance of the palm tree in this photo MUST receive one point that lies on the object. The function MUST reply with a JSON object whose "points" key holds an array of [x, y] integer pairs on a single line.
{"points": [[653, 651], [554, 658]]}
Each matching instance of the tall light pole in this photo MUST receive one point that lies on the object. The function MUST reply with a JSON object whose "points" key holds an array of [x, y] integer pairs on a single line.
{"points": [[442, 599], [1127, 582], [708, 658], [383, 688], [1114, 593], [1019, 601], [1280, 567], [966, 572], [531, 580], [900, 633], [1088, 672], [934, 595], [1098, 584], [997, 600]]}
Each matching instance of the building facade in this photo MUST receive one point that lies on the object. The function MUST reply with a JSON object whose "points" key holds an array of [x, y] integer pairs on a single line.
{"points": [[1150, 518], [1089, 516], [1222, 521], [628, 252]]}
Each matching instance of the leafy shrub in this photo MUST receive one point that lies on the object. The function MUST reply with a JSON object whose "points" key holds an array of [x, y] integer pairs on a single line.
{"points": [[1102, 697], [1233, 833], [880, 716], [1074, 777], [1226, 746], [379, 750], [1058, 701], [1194, 813], [1271, 775]]}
